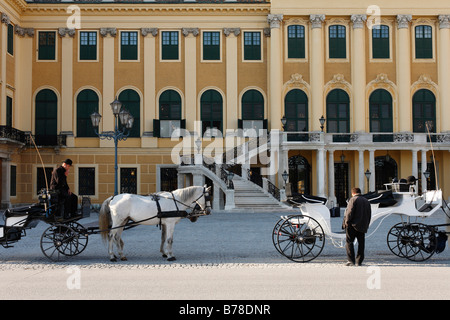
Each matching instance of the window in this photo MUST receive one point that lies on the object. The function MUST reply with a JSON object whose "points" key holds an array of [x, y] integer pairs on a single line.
{"points": [[169, 45], [47, 44], [211, 113], [338, 118], [169, 179], [211, 45], [10, 44], [87, 103], [252, 105], [128, 180], [86, 181], [13, 182], [424, 110], [88, 45], [380, 113], [43, 180], [169, 115], [424, 42], [46, 118], [337, 42], [132, 102], [380, 42], [252, 45], [296, 42], [129, 45], [296, 111], [9, 108]]}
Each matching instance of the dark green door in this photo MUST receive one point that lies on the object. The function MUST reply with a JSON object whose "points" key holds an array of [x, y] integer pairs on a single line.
{"points": [[46, 123]]}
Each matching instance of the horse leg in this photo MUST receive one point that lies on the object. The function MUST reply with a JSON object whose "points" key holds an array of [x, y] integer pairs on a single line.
{"points": [[163, 239], [119, 243], [111, 240], [168, 241]]}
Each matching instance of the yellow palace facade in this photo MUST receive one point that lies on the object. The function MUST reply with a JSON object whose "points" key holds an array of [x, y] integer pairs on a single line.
{"points": [[378, 76]]}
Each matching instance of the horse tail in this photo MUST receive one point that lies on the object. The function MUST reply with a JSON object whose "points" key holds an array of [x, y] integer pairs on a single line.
{"points": [[104, 219]]}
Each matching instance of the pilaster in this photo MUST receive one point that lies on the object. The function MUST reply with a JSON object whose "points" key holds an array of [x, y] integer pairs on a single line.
{"points": [[231, 112], [190, 75], [275, 71], [316, 70]]}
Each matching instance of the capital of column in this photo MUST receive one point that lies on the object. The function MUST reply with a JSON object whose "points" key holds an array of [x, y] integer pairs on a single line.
{"points": [[444, 21], [274, 20], [186, 31], [66, 31], [5, 19], [403, 21], [111, 31], [152, 31], [358, 20], [228, 31], [22, 32], [316, 20]]}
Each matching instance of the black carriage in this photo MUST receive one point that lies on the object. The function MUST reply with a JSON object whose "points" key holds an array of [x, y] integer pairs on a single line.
{"points": [[63, 237]]}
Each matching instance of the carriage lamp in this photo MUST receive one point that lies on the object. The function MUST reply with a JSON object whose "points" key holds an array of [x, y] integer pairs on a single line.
{"points": [[426, 174], [119, 133], [285, 176], [322, 122], [283, 122]]}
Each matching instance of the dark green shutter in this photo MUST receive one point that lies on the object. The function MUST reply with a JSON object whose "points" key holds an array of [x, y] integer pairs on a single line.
{"points": [[424, 42], [47, 45], [88, 45], [10, 44], [9, 103], [87, 103], [156, 128], [169, 43], [129, 45], [296, 42], [211, 45], [380, 42], [337, 42], [132, 102], [46, 118], [252, 46]]}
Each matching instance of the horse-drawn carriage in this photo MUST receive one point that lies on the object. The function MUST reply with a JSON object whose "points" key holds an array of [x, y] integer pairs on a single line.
{"points": [[301, 237], [67, 237]]}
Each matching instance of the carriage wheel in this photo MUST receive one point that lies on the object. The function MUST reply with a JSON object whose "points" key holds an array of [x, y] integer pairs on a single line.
{"points": [[393, 239], [417, 241], [275, 233], [300, 238], [61, 240]]}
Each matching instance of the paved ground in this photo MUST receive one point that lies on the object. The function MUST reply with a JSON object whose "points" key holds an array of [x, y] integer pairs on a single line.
{"points": [[224, 256]]}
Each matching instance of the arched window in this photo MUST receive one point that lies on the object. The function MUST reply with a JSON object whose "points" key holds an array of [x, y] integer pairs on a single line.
{"points": [[132, 102], [296, 111], [87, 103], [170, 105], [46, 123], [252, 105], [424, 110], [380, 112], [211, 106], [338, 112], [299, 175]]}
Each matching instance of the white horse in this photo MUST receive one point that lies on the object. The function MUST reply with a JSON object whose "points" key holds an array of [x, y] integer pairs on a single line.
{"points": [[117, 211]]}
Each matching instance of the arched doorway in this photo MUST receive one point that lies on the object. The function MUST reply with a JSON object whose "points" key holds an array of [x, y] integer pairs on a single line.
{"points": [[46, 123], [300, 174], [385, 170]]}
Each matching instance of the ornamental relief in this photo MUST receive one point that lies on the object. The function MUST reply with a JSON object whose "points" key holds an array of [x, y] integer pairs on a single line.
{"points": [[382, 82], [296, 82], [338, 82]]}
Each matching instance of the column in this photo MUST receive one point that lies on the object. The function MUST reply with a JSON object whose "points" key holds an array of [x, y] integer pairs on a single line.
{"points": [[361, 176], [231, 110], [320, 164], [107, 123], [331, 190], [358, 60], [404, 73], [372, 170], [275, 71], [317, 70], [24, 78], [149, 35], [67, 82], [414, 164], [4, 32], [423, 169], [443, 71], [190, 76]]}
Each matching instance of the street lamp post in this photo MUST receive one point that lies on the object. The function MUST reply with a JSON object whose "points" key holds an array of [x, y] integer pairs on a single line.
{"points": [[126, 120]]}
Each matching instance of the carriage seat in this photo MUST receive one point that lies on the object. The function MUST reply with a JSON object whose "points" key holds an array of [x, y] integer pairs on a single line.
{"points": [[34, 209]]}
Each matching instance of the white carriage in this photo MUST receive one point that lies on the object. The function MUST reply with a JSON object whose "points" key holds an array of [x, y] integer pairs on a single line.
{"points": [[301, 237]]}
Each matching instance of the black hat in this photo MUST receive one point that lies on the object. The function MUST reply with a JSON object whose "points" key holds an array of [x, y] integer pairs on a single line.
{"points": [[68, 161]]}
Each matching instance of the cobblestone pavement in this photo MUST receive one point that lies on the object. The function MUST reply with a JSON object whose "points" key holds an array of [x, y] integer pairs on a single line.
{"points": [[221, 256]]}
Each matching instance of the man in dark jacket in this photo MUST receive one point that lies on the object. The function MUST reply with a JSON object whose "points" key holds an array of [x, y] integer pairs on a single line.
{"points": [[356, 222], [67, 201]]}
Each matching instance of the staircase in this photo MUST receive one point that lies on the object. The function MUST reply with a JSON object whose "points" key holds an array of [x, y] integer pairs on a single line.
{"points": [[249, 197]]}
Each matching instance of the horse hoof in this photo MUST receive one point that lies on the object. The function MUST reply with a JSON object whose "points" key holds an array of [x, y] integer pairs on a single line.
{"points": [[123, 259], [171, 259], [113, 259], [164, 255]]}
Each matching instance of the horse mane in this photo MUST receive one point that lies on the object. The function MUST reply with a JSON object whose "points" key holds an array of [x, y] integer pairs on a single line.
{"points": [[187, 193]]}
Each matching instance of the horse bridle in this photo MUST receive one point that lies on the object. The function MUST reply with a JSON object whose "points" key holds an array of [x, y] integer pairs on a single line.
{"points": [[197, 209]]}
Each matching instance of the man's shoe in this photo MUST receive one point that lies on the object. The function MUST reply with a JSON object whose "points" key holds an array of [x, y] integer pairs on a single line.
{"points": [[349, 264]]}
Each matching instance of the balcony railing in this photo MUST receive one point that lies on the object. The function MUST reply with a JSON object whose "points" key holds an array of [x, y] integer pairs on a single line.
{"points": [[12, 134]]}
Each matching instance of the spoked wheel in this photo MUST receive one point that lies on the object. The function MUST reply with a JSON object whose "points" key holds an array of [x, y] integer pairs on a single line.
{"points": [[299, 238], [61, 240], [393, 239], [416, 241]]}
